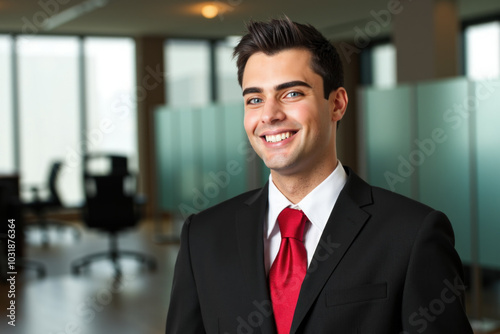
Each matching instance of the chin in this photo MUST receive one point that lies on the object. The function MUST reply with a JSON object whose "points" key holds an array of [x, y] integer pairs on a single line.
{"points": [[278, 166]]}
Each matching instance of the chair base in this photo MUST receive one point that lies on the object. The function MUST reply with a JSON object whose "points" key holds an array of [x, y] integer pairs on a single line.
{"points": [[21, 262], [34, 265], [114, 256], [45, 224]]}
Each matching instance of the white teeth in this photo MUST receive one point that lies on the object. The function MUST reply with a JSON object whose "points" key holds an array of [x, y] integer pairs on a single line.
{"points": [[278, 138]]}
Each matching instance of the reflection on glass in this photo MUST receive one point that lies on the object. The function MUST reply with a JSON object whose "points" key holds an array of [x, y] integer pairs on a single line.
{"points": [[49, 111]]}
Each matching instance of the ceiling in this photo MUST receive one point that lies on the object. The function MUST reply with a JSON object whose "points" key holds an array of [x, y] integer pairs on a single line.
{"points": [[176, 18]]}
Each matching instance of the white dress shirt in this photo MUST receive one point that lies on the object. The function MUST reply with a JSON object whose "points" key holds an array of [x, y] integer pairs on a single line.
{"points": [[317, 206]]}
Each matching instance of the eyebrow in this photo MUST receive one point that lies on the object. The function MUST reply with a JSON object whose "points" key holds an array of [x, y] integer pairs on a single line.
{"points": [[284, 85]]}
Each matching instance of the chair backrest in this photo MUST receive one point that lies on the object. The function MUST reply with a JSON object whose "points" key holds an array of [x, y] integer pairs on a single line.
{"points": [[119, 164], [106, 164], [110, 203], [54, 173]]}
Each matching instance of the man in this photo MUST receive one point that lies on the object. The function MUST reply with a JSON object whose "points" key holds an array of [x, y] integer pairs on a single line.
{"points": [[316, 250]]}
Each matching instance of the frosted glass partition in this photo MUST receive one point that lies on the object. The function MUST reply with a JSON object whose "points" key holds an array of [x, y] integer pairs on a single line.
{"points": [[213, 155], [443, 155], [387, 114], [236, 144], [189, 144], [201, 156], [488, 165], [167, 157], [445, 134]]}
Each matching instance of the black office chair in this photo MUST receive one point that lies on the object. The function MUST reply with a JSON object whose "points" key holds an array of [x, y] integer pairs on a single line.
{"points": [[111, 206], [40, 206]]}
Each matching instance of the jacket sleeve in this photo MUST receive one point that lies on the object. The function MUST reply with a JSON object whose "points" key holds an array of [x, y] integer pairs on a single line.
{"points": [[434, 292], [184, 313]]}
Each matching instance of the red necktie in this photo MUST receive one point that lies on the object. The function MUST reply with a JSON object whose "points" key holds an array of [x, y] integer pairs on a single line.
{"points": [[289, 268]]}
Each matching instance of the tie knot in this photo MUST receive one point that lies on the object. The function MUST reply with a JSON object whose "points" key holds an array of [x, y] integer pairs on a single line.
{"points": [[292, 223]]}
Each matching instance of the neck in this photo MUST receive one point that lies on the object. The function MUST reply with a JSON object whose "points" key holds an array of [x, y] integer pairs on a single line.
{"points": [[296, 186]]}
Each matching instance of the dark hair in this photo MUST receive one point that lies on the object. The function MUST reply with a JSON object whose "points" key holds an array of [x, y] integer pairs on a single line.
{"points": [[283, 34]]}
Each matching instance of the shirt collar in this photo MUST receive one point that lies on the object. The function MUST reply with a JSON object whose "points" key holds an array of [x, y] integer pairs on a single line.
{"points": [[317, 205]]}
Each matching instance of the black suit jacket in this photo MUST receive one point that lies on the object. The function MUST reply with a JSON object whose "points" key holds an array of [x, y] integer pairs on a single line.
{"points": [[385, 264]]}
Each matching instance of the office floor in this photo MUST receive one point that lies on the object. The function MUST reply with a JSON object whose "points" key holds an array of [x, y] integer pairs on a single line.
{"points": [[97, 302]]}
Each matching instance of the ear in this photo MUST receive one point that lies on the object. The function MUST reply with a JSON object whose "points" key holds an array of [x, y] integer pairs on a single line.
{"points": [[338, 103]]}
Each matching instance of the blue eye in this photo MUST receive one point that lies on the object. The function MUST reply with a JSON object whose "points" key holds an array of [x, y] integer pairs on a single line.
{"points": [[293, 94], [254, 100]]}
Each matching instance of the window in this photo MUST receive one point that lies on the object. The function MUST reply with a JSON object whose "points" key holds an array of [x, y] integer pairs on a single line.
{"points": [[379, 65], [482, 50], [110, 91], [228, 89], [57, 119], [384, 65], [7, 164], [49, 108], [188, 72]]}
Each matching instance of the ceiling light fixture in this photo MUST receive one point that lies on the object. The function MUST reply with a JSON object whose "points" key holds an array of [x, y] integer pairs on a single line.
{"points": [[209, 11]]}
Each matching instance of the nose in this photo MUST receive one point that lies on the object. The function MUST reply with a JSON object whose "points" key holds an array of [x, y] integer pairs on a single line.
{"points": [[272, 112]]}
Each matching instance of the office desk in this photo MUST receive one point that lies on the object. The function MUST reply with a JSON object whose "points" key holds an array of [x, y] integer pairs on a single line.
{"points": [[11, 208]]}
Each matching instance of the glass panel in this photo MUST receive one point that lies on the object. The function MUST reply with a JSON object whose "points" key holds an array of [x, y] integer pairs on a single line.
{"points": [[7, 164], [187, 64], [215, 178], [488, 165], [166, 125], [191, 190], [441, 154], [236, 148], [384, 65], [388, 138], [228, 89], [201, 156], [482, 52], [110, 89], [49, 112]]}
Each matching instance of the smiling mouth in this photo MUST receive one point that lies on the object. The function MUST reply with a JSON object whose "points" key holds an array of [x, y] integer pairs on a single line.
{"points": [[279, 137]]}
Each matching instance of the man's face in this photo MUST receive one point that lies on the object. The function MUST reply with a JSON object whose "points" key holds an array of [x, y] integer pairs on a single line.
{"points": [[288, 121]]}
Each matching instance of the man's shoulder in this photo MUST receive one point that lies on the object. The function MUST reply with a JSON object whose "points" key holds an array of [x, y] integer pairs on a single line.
{"points": [[384, 200], [394, 210], [391, 213], [230, 206], [396, 198]]}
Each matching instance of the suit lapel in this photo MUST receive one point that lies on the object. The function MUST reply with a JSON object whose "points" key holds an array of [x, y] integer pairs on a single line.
{"points": [[344, 224], [250, 234]]}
